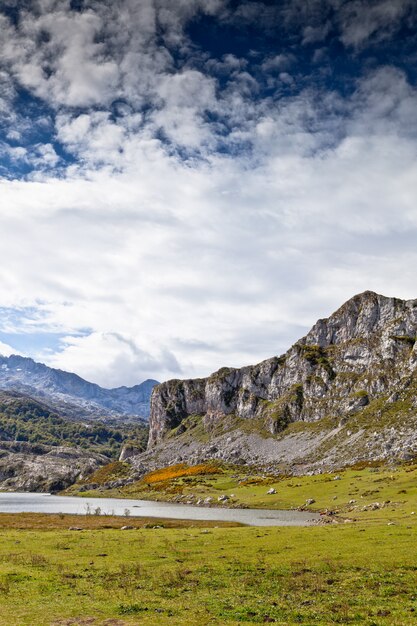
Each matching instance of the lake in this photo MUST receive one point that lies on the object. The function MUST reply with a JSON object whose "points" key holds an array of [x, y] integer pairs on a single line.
{"points": [[46, 503]]}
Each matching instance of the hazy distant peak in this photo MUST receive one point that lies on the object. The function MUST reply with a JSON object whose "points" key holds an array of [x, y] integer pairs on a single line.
{"points": [[72, 394]]}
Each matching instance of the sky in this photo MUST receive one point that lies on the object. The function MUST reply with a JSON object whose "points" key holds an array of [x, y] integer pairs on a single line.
{"points": [[191, 184]]}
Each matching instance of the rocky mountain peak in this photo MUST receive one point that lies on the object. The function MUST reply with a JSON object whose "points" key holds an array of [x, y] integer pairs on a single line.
{"points": [[362, 356], [361, 316]]}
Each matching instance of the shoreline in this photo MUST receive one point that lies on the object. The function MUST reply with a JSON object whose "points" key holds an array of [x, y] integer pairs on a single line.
{"points": [[26, 502]]}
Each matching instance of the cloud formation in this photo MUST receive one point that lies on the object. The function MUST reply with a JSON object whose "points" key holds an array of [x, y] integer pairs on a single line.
{"points": [[186, 205]]}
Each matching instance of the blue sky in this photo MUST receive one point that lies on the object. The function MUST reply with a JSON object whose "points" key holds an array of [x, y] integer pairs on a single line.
{"points": [[191, 184]]}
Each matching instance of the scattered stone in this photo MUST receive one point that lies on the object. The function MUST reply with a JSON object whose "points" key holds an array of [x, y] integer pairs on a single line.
{"points": [[223, 498], [310, 501], [127, 528], [271, 491], [337, 478], [75, 528]]}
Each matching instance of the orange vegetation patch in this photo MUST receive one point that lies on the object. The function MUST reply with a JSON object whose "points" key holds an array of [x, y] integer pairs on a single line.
{"points": [[179, 471], [111, 471]]}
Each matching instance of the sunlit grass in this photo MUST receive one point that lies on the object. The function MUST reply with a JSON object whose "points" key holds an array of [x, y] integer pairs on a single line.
{"points": [[191, 573], [344, 574]]}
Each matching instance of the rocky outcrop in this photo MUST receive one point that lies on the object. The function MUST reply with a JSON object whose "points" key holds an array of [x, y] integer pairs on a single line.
{"points": [[359, 361], [35, 467]]}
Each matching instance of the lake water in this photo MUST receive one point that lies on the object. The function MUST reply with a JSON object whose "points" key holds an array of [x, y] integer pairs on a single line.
{"points": [[45, 503]]}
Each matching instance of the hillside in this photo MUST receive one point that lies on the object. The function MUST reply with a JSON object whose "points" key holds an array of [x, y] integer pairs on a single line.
{"points": [[345, 392], [71, 395], [41, 451], [23, 419]]}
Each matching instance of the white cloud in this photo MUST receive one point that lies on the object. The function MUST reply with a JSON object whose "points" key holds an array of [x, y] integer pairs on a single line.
{"points": [[7, 95], [186, 96], [6, 350], [45, 156], [93, 137], [313, 34], [362, 20], [181, 265], [167, 254], [70, 66], [111, 359]]}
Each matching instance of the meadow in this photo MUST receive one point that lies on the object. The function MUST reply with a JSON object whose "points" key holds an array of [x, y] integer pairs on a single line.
{"points": [[360, 571]]}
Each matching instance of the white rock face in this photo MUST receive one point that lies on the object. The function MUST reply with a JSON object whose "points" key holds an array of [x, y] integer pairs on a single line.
{"points": [[365, 351]]}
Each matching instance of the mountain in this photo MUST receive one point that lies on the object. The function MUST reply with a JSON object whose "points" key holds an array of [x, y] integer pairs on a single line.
{"points": [[72, 396], [345, 392], [39, 450], [23, 419]]}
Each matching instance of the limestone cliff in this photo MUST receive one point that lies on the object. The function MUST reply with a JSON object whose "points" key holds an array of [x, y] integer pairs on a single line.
{"points": [[360, 361]]}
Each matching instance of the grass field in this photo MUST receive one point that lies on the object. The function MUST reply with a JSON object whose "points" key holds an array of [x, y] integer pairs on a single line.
{"points": [[345, 574], [363, 572]]}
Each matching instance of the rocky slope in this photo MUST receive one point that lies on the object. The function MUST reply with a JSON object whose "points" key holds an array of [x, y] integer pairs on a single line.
{"points": [[71, 395], [346, 391], [41, 451], [34, 467]]}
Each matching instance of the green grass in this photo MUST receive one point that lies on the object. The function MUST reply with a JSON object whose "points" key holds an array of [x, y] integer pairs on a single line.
{"points": [[61, 521], [344, 574], [188, 573]]}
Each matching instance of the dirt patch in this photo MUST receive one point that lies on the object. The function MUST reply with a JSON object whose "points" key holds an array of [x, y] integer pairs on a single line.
{"points": [[75, 621], [86, 621]]}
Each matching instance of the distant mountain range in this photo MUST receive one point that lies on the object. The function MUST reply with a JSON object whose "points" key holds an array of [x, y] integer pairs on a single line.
{"points": [[72, 396]]}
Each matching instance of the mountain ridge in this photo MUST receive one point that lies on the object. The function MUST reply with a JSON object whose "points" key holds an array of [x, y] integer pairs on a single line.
{"points": [[70, 394]]}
